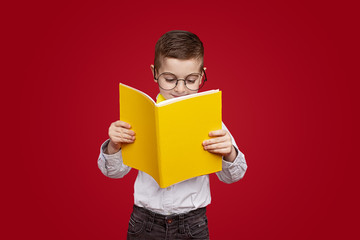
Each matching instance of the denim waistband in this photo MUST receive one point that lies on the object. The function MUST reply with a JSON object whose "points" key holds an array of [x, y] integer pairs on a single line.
{"points": [[172, 216], [174, 219]]}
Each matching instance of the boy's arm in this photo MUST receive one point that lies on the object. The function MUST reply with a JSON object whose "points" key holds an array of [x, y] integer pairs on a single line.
{"points": [[111, 165], [232, 171]]}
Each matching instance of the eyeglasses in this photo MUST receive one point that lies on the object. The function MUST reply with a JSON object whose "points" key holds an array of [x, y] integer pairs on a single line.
{"points": [[193, 81]]}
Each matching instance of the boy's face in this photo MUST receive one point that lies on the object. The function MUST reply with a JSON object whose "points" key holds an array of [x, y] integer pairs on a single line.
{"points": [[181, 69]]}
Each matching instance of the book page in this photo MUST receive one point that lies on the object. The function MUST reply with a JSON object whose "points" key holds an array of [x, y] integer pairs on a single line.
{"points": [[137, 110], [183, 126], [152, 100]]}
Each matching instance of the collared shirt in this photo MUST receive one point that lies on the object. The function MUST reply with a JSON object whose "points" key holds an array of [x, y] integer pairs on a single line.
{"points": [[179, 198]]}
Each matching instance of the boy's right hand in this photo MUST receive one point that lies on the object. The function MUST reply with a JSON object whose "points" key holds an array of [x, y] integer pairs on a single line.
{"points": [[119, 133]]}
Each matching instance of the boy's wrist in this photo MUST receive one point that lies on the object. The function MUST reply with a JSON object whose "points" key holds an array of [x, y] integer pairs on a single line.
{"points": [[112, 148], [232, 155]]}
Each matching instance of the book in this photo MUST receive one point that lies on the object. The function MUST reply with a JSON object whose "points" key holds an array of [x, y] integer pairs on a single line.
{"points": [[169, 134]]}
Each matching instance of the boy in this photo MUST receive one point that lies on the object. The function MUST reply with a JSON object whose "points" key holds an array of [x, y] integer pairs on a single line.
{"points": [[179, 211]]}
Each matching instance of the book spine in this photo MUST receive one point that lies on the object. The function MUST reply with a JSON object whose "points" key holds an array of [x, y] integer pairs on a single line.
{"points": [[158, 150]]}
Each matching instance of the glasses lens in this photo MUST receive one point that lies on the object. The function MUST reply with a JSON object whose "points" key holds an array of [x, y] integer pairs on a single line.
{"points": [[167, 81], [193, 81]]}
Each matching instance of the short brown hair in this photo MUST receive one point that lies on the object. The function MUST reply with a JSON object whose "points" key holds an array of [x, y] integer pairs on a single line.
{"points": [[180, 45]]}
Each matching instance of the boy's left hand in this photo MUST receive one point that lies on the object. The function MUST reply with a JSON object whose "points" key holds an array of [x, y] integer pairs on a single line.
{"points": [[220, 143]]}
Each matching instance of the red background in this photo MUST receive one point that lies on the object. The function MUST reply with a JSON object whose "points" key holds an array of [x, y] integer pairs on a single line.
{"points": [[289, 98]]}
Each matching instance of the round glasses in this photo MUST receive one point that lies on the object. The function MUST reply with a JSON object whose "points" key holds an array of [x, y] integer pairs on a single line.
{"points": [[193, 81]]}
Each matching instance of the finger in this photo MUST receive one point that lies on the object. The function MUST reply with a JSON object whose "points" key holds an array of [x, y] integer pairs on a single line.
{"points": [[123, 135], [129, 137], [121, 140], [124, 131], [215, 140], [221, 151], [122, 124], [217, 133], [121, 132], [217, 146]]}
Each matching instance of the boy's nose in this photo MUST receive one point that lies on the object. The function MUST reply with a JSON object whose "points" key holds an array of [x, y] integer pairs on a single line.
{"points": [[180, 87]]}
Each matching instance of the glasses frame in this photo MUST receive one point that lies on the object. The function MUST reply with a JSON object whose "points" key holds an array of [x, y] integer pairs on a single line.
{"points": [[181, 79]]}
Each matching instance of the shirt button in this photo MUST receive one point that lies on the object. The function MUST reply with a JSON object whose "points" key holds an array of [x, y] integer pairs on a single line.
{"points": [[169, 221]]}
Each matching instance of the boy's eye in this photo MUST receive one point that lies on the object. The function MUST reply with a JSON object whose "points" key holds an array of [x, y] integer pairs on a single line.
{"points": [[192, 78], [190, 81], [170, 79]]}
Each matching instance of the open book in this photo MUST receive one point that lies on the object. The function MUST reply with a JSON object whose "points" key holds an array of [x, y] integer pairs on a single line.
{"points": [[169, 134]]}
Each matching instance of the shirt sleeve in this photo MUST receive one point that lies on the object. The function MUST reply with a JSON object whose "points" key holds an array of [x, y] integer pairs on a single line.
{"points": [[111, 165], [232, 171]]}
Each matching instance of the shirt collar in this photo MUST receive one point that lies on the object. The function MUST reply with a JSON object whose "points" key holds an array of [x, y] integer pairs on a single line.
{"points": [[159, 98]]}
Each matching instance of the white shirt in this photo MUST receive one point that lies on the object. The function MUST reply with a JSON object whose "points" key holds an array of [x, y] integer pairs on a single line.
{"points": [[179, 198]]}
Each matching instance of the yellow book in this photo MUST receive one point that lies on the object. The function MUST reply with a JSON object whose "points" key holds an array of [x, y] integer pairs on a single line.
{"points": [[169, 134]]}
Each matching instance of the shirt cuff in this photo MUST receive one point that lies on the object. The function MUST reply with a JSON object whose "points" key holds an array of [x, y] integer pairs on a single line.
{"points": [[106, 156]]}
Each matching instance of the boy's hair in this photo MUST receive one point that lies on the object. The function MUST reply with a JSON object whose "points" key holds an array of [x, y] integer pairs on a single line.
{"points": [[178, 44]]}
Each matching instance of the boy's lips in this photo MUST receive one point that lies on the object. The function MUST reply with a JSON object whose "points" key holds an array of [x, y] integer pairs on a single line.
{"points": [[175, 96]]}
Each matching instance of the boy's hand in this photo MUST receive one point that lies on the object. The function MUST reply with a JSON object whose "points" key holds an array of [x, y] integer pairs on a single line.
{"points": [[220, 144], [119, 133]]}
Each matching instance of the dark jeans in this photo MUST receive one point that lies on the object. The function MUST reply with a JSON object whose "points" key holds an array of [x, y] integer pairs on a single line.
{"points": [[147, 225]]}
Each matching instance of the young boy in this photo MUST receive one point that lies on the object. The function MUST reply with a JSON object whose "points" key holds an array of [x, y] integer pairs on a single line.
{"points": [[179, 211]]}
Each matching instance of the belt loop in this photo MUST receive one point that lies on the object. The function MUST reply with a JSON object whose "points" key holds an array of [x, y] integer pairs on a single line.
{"points": [[181, 224], [151, 217]]}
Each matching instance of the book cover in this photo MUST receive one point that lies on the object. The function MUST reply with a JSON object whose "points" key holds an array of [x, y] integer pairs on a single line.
{"points": [[169, 134]]}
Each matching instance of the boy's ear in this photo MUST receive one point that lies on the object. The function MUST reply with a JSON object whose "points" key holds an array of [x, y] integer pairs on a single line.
{"points": [[204, 68], [152, 70]]}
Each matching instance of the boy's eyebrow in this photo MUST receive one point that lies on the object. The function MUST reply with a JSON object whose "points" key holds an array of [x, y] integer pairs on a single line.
{"points": [[185, 75]]}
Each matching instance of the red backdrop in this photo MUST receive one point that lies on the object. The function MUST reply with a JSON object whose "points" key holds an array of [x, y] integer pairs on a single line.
{"points": [[285, 70]]}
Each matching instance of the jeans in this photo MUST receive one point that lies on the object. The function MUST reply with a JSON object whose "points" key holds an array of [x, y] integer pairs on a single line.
{"points": [[147, 225]]}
